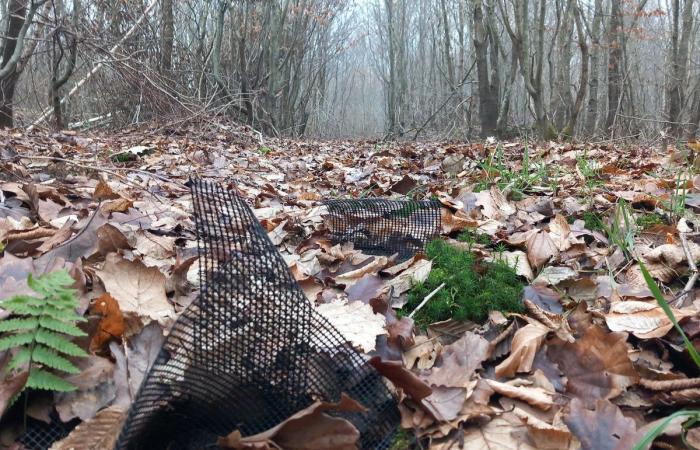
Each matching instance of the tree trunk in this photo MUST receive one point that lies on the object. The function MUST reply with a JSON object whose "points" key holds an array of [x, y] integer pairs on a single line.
{"points": [[679, 63], [168, 35], [17, 9], [488, 95], [592, 108], [614, 62]]}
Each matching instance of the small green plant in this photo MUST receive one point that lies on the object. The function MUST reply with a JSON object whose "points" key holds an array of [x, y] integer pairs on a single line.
{"points": [[474, 237], [623, 228], [693, 415], [403, 440], [590, 173], [516, 182], [593, 221], [264, 150], [41, 330], [123, 157], [676, 204], [472, 288], [646, 221]]}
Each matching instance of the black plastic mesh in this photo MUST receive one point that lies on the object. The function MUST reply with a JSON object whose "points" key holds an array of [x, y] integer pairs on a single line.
{"points": [[250, 351], [385, 227], [41, 435]]}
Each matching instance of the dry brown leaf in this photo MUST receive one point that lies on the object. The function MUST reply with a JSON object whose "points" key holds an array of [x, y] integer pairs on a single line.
{"points": [[499, 433], [645, 320], [99, 433], [494, 204], [456, 222], [9, 387], [541, 250], [309, 428], [422, 353], [104, 192], [534, 396], [596, 366], [560, 232], [140, 290], [600, 429], [111, 324], [459, 361], [402, 378], [445, 403], [356, 321], [526, 342]]}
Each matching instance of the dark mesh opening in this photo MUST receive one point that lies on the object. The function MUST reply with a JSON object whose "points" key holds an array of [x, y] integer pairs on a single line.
{"points": [[250, 351], [384, 227], [41, 435]]}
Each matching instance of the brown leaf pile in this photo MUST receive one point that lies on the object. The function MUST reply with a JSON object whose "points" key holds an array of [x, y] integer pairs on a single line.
{"points": [[592, 363]]}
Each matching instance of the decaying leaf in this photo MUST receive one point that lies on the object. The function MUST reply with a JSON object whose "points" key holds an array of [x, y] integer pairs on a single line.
{"points": [[541, 249], [309, 429], [459, 360], [645, 320], [99, 433], [526, 342], [602, 428], [534, 396], [403, 378], [9, 387], [597, 365]]}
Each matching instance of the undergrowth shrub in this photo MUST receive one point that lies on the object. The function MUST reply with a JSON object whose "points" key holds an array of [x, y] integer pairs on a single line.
{"points": [[39, 332], [472, 288]]}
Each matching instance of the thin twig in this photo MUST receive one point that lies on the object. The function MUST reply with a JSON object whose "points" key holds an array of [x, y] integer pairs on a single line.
{"points": [[680, 300], [670, 385], [426, 299]]}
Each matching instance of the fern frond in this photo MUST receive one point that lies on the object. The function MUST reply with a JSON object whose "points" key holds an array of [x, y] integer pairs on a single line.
{"points": [[18, 324], [60, 326], [50, 358], [15, 340], [40, 333], [41, 379], [21, 358], [20, 303], [62, 314], [58, 343]]}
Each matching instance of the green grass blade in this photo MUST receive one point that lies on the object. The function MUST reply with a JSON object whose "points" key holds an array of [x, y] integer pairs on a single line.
{"points": [[667, 309], [652, 434]]}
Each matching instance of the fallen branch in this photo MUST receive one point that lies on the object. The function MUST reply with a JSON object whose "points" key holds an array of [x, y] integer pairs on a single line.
{"points": [[670, 385]]}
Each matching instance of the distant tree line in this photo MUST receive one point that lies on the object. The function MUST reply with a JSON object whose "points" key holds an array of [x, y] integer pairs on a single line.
{"points": [[352, 68]]}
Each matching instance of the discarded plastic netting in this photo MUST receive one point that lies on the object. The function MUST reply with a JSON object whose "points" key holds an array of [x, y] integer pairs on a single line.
{"points": [[250, 351], [40, 435], [385, 227]]}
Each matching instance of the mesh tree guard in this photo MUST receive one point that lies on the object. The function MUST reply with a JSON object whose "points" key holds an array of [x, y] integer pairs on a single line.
{"points": [[250, 350], [384, 226]]}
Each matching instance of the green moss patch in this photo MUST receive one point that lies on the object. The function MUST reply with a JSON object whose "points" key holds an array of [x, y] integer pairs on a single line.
{"points": [[472, 288]]}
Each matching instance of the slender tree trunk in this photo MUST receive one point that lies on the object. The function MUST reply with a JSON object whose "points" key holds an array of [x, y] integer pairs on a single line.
{"points": [[60, 77], [679, 63], [11, 49], [614, 63], [583, 77], [168, 36], [592, 108]]}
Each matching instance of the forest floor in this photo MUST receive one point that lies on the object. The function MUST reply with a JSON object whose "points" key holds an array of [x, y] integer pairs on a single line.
{"points": [[591, 360]]}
